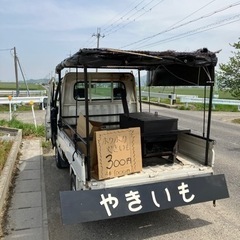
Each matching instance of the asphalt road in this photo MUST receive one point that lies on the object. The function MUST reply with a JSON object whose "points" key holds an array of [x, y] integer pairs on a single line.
{"points": [[199, 221]]}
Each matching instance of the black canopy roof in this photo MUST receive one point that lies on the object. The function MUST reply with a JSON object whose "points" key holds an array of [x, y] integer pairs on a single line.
{"points": [[115, 58], [183, 64]]}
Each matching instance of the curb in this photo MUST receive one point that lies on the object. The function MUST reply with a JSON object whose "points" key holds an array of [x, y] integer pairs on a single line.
{"points": [[7, 172], [44, 202]]}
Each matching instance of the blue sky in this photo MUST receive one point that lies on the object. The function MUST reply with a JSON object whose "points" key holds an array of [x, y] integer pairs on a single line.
{"points": [[45, 32]]}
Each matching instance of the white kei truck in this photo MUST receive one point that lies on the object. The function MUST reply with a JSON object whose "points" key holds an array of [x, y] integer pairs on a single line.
{"points": [[123, 160]]}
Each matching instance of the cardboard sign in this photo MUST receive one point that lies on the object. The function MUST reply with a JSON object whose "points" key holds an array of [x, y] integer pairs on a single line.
{"points": [[118, 152], [81, 126], [81, 130]]}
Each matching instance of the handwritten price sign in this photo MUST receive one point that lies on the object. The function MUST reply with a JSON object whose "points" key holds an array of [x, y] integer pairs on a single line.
{"points": [[118, 152]]}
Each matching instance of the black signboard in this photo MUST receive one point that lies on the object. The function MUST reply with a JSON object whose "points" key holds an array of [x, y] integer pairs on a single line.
{"points": [[92, 205]]}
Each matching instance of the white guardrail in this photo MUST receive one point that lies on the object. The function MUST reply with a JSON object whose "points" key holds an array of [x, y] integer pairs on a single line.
{"points": [[165, 95], [170, 96], [215, 101], [24, 100], [189, 99]]}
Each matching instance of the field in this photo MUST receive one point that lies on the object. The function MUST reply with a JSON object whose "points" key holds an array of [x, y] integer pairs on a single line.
{"points": [[199, 91], [105, 92], [178, 90], [22, 86]]}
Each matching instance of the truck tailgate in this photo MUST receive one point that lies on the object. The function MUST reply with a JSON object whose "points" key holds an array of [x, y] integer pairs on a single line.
{"points": [[93, 205]]}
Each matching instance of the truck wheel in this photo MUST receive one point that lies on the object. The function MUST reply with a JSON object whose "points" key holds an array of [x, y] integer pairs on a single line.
{"points": [[73, 182], [60, 163]]}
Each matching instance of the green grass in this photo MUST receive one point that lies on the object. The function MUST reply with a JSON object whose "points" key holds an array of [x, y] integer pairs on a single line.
{"points": [[5, 147], [200, 107], [236, 121], [46, 145], [22, 86], [20, 108], [101, 91], [28, 129]]}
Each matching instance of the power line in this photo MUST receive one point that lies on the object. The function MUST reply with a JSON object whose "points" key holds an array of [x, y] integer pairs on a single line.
{"points": [[125, 20], [193, 13], [128, 21], [148, 38], [109, 27], [6, 49], [90, 40], [129, 17], [183, 24], [121, 17], [220, 23]]}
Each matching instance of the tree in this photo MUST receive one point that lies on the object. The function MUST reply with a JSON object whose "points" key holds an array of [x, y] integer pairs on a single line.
{"points": [[229, 73]]}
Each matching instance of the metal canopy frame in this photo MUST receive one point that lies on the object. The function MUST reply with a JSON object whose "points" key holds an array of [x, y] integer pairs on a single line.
{"points": [[172, 68]]}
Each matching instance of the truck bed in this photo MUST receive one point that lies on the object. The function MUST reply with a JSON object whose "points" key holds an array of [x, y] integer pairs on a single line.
{"points": [[189, 162], [153, 171]]}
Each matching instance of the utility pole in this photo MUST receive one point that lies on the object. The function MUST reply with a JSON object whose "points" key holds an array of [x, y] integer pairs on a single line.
{"points": [[98, 35], [16, 71]]}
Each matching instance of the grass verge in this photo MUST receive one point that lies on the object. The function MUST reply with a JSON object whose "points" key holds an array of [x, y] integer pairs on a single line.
{"points": [[5, 147], [28, 129], [236, 120], [200, 107], [19, 107]]}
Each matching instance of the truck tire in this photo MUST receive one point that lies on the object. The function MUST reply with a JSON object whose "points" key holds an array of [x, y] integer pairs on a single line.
{"points": [[60, 163], [73, 182]]}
